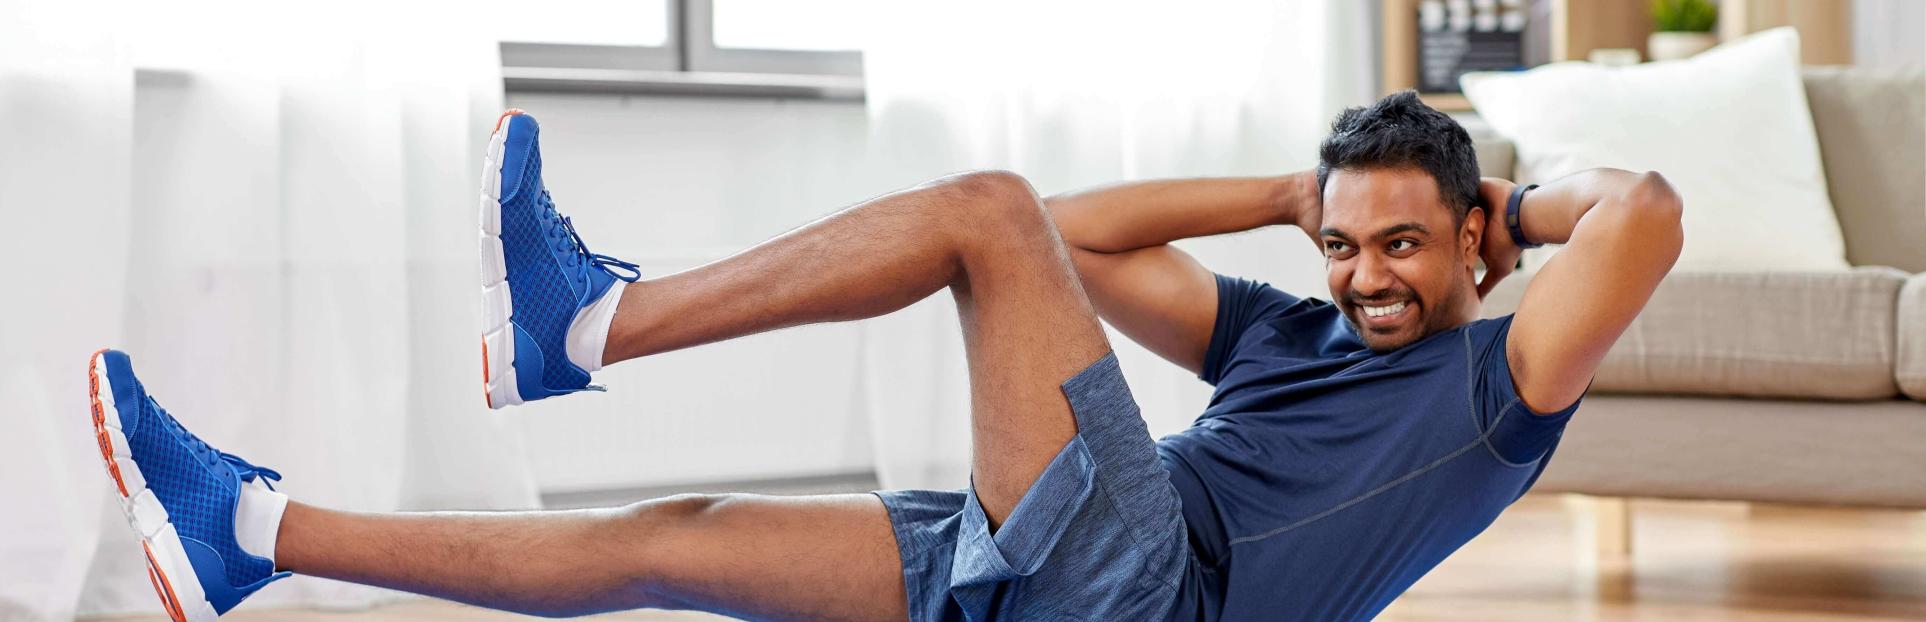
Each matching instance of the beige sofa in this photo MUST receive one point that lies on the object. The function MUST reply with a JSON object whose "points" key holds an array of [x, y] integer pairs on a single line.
{"points": [[1778, 387]]}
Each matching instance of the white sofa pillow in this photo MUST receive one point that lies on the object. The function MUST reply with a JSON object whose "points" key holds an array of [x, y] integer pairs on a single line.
{"points": [[1729, 128]]}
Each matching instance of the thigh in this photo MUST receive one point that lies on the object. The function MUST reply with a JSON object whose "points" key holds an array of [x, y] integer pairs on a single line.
{"points": [[828, 557], [1027, 328]]}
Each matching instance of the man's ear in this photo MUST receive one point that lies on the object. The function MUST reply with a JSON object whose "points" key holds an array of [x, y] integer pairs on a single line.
{"points": [[1472, 233]]}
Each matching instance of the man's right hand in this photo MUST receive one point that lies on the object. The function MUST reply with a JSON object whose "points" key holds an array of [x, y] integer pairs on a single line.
{"points": [[1303, 206]]}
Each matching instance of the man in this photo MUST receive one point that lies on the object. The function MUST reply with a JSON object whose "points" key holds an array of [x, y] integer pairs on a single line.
{"points": [[1350, 445]]}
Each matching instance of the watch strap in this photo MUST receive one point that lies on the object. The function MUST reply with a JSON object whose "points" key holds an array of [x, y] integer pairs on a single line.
{"points": [[1512, 221]]}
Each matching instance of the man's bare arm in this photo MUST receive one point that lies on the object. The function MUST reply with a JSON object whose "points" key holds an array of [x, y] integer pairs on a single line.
{"points": [[1158, 295], [1622, 233]]}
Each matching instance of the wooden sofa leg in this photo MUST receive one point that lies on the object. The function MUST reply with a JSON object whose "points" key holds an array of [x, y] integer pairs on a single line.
{"points": [[1613, 527]]}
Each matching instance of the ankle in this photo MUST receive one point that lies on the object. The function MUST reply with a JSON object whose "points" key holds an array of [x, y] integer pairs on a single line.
{"points": [[588, 334], [625, 339], [292, 553]]}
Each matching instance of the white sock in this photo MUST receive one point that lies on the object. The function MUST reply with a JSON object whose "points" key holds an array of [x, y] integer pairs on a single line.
{"points": [[257, 518], [590, 330]]}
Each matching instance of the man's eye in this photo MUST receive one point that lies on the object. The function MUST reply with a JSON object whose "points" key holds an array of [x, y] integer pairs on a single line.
{"points": [[1333, 248], [1407, 245]]}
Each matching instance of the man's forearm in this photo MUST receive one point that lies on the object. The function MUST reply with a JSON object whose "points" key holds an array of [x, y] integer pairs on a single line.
{"points": [[1552, 212], [1129, 216]]}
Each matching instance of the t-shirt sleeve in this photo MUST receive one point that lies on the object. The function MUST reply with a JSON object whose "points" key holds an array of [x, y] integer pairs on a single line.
{"points": [[1241, 304], [1516, 435]]}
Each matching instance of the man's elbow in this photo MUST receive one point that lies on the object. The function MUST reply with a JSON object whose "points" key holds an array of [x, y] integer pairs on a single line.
{"points": [[1640, 213], [1653, 196], [1653, 210]]}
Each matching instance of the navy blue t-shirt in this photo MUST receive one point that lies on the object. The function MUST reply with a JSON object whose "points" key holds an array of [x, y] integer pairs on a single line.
{"points": [[1325, 478]]}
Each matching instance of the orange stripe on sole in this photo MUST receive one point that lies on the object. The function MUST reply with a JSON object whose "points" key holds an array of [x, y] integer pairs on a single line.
{"points": [[165, 588], [162, 586], [486, 395], [100, 424], [511, 112]]}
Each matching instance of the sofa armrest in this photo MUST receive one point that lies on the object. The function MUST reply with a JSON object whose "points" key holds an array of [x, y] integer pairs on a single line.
{"points": [[1909, 370]]}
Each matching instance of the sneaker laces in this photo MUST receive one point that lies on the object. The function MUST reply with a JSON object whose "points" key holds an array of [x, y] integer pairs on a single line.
{"points": [[246, 470], [578, 250]]}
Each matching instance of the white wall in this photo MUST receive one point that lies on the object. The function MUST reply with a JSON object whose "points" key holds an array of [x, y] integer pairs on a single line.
{"points": [[670, 183], [1889, 33]]}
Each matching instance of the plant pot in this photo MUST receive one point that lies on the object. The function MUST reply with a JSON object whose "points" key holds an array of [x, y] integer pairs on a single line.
{"points": [[1677, 45]]}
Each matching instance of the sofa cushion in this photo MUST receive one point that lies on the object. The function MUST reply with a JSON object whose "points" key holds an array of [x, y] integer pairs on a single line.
{"points": [[1825, 335], [1730, 129], [1910, 370], [1872, 137]]}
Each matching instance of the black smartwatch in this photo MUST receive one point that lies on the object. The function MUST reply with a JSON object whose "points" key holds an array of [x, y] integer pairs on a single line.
{"points": [[1512, 221]]}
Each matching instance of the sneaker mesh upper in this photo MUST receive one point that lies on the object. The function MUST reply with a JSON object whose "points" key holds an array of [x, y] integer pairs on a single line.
{"points": [[199, 497], [546, 295]]}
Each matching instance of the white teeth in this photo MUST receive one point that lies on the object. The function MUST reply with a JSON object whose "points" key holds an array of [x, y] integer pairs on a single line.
{"points": [[1384, 311]]}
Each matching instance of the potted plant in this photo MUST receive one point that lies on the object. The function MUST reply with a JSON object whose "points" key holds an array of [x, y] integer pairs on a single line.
{"points": [[1682, 28]]}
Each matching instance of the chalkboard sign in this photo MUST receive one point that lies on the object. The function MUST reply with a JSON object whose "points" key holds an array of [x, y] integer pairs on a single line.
{"points": [[1456, 37]]}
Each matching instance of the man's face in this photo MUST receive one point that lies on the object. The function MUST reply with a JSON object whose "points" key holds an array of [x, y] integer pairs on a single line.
{"points": [[1398, 267]]}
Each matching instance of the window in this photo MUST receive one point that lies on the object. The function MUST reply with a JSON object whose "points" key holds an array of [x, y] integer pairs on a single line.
{"points": [[642, 23], [819, 26], [784, 41], [593, 34], [777, 36]]}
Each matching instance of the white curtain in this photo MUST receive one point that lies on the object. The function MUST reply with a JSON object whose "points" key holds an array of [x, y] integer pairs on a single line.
{"points": [[272, 208], [1078, 93]]}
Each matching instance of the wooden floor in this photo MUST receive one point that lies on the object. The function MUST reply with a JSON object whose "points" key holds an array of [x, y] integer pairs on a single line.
{"points": [[1691, 561]]}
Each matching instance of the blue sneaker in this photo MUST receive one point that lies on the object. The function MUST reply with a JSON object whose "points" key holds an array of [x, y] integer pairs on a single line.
{"points": [[179, 495], [537, 275]]}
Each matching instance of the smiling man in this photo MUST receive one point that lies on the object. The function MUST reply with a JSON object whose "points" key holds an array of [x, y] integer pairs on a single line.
{"points": [[1350, 445]]}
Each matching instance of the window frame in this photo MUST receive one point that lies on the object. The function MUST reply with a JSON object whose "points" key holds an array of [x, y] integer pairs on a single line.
{"points": [[665, 57], [688, 63], [704, 55]]}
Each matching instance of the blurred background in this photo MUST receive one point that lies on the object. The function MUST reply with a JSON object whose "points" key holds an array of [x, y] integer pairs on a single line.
{"points": [[271, 207]]}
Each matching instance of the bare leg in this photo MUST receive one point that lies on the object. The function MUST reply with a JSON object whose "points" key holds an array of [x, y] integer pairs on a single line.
{"points": [[1027, 327], [818, 558]]}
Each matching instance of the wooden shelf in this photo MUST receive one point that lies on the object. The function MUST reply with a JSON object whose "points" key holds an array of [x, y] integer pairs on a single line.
{"points": [[1825, 26], [1576, 27], [1448, 102], [1580, 26], [1398, 47]]}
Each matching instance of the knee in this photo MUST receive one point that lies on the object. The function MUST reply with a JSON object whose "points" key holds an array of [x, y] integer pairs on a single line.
{"points": [[663, 516], [649, 537], [998, 207], [684, 507], [991, 186]]}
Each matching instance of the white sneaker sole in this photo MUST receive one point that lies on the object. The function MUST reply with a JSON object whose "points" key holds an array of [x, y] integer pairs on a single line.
{"points": [[167, 566], [498, 336]]}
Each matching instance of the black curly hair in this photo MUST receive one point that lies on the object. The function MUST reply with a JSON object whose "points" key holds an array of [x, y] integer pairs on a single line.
{"points": [[1400, 131]]}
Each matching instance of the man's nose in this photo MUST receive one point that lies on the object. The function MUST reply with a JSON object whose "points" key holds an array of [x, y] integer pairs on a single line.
{"points": [[1372, 276]]}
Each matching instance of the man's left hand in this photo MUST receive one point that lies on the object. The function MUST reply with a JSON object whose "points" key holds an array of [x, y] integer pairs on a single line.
{"points": [[1498, 251]]}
